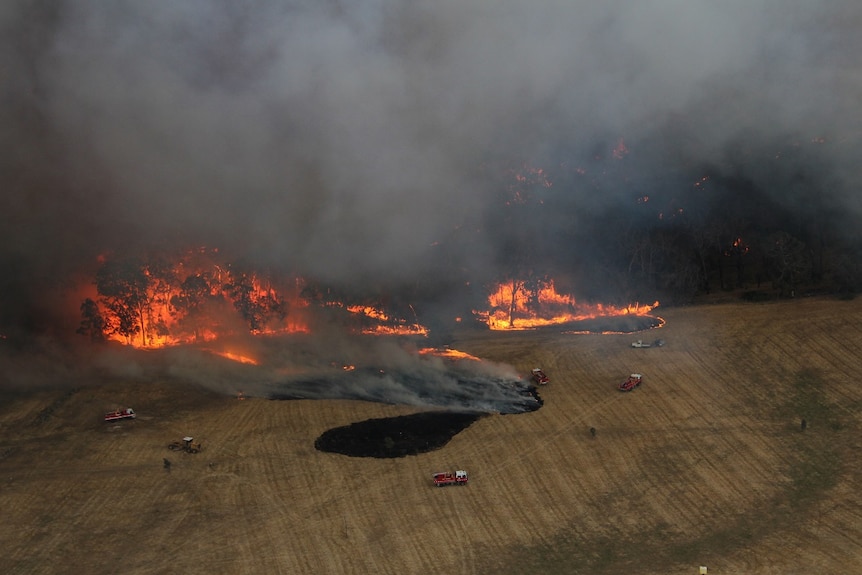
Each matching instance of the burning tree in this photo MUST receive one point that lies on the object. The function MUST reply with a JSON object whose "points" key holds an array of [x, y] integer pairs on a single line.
{"points": [[123, 286], [534, 302], [198, 298], [163, 279], [257, 305], [92, 323], [170, 302], [193, 301], [520, 295]]}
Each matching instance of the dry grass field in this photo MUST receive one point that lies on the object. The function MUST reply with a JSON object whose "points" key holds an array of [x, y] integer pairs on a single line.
{"points": [[705, 464]]}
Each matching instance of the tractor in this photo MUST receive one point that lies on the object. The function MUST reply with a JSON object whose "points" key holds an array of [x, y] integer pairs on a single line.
{"points": [[187, 444]]}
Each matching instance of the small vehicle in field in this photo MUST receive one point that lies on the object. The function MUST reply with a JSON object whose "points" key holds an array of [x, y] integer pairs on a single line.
{"points": [[642, 343], [539, 377], [444, 478], [127, 413], [633, 381], [187, 444]]}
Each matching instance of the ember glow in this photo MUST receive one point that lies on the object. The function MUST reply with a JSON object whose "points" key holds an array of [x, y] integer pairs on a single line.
{"points": [[512, 306]]}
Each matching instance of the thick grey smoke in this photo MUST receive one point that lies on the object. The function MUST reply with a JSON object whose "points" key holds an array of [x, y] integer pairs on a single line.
{"points": [[341, 139]]}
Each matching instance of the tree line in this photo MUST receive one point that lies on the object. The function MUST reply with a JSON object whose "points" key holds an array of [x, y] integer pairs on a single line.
{"points": [[625, 236]]}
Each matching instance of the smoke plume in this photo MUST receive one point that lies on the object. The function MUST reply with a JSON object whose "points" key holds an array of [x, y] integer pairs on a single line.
{"points": [[347, 140]]}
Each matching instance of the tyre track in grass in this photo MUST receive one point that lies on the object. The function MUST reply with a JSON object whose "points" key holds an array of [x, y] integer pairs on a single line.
{"points": [[63, 503], [619, 482], [538, 442], [324, 513], [838, 362], [738, 446], [224, 492], [823, 348], [759, 451], [249, 505], [541, 440], [784, 349], [226, 497], [409, 499], [239, 457], [712, 435], [262, 489]]}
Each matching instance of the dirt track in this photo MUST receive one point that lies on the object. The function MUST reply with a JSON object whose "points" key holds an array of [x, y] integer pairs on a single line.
{"points": [[706, 464]]}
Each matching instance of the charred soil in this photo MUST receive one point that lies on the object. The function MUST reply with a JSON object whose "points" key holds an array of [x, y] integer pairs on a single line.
{"points": [[393, 437]]}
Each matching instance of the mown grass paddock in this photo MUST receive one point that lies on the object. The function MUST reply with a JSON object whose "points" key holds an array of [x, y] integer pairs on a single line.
{"points": [[704, 464]]}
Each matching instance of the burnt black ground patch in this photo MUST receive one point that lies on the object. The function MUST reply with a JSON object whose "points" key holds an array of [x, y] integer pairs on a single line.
{"points": [[393, 437]]}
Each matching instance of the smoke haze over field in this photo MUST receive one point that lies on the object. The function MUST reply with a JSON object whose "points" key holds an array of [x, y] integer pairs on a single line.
{"points": [[288, 367], [346, 139]]}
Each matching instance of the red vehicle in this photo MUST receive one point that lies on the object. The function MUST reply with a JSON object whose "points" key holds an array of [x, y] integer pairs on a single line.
{"points": [[539, 377], [633, 381], [444, 478], [127, 413]]}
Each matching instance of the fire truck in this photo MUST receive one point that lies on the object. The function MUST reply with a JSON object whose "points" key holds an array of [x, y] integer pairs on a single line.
{"points": [[539, 376], [633, 381], [444, 478], [127, 413]]}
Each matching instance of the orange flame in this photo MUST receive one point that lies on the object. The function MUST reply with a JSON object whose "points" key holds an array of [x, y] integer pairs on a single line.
{"points": [[234, 356], [447, 353], [199, 298], [512, 307], [386, 325]]}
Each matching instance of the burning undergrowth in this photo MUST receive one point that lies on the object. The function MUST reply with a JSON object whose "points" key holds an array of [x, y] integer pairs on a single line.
{"points": [[534, 303], [385, 371], [610, 325]]}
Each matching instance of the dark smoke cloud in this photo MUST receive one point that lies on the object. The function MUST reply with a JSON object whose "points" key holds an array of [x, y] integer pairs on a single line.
{"points": [[342, 139]]}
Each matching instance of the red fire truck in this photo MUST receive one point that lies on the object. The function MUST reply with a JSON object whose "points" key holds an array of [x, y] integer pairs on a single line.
{"points": [[539, 376], [444, 478], [633, 381], [127, 413]]}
